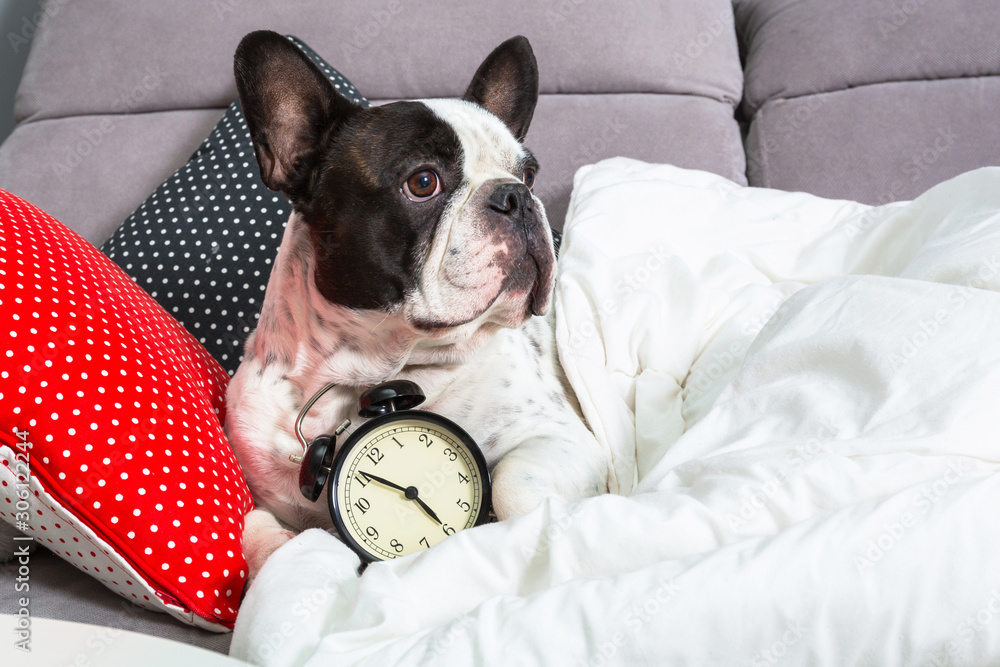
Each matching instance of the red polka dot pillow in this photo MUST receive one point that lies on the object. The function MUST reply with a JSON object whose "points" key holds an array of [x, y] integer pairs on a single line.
{"points": [[111, 444]]}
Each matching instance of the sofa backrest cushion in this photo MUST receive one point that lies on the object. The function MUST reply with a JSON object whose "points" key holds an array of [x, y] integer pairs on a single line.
{"points": [[657, 81]]}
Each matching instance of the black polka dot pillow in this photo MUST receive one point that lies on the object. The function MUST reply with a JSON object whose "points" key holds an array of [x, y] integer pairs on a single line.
{"points": [[111, 450], [202, 245]]}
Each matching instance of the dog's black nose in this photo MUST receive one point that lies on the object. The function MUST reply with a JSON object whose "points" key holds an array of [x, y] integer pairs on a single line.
{"points": [[511, 199]]}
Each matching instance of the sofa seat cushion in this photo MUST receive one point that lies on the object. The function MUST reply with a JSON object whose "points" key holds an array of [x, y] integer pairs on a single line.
{"points": [[871, 100], [59, 590], [875, 144]]}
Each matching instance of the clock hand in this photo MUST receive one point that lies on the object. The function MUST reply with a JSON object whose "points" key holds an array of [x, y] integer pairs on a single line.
{"points": [[411, 493], [427, 509], [382, 480]]}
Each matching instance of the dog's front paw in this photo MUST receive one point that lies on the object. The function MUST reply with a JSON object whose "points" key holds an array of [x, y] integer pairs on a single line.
{"points": [[262, 535], [519, 486], [543, 468]]}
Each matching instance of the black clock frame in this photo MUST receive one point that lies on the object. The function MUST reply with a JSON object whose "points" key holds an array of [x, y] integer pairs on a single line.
{"points": [[377, 422]]}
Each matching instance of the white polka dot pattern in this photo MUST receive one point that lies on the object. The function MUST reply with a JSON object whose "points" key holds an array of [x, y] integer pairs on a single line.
{"points": [[57, 529], [203, 244], [131, 477]]}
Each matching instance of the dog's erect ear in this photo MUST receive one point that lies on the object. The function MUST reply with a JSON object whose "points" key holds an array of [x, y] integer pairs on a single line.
{"points": [[506, 84], [291, 109]]}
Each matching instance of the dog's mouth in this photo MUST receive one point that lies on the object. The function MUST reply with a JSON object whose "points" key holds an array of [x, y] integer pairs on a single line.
{"points": [[543, 260], [527, 290], [528, 287], [531, 276], [538, 299], [535, 305]]}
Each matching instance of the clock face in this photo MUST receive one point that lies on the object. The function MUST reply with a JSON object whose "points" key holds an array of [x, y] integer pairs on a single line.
{"points": [[405, 481]]}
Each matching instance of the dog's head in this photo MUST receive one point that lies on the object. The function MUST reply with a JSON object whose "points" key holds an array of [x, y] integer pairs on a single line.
{"points": [[423, 209]]}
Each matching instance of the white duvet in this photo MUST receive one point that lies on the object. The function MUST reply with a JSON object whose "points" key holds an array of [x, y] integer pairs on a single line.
{"points": [[801, 398]]}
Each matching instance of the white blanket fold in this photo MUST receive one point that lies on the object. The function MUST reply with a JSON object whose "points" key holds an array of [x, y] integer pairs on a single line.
{"points": [[800, 397]]}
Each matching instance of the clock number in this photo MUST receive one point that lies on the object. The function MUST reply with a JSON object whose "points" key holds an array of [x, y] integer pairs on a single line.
{"points": [[375, 455], [448, 530], [363, 505], [423, 541], [397, 442], [363, 480], [397, 545], [372, 533], [426, 439], [464, 505], [463, 478], [450, 454]]}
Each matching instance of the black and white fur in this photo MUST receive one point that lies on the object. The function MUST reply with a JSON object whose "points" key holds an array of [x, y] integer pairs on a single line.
{"points": [[452, 292]]}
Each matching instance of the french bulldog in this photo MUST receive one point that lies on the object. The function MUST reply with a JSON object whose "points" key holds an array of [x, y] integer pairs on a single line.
{"points": [[415, 250]]}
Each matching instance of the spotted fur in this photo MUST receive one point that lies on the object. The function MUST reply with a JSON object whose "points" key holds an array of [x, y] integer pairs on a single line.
{"points": [[466, 315]]}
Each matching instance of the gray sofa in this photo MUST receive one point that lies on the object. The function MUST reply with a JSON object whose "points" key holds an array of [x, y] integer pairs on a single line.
{"points": [[870, 100]]}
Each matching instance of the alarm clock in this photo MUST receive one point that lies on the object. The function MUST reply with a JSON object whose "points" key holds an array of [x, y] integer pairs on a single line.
{"points": [[403, 481]]}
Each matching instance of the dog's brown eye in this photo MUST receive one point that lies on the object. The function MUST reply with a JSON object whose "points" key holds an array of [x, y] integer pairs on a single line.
{"points": [[422, 185], [529, 177]]}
